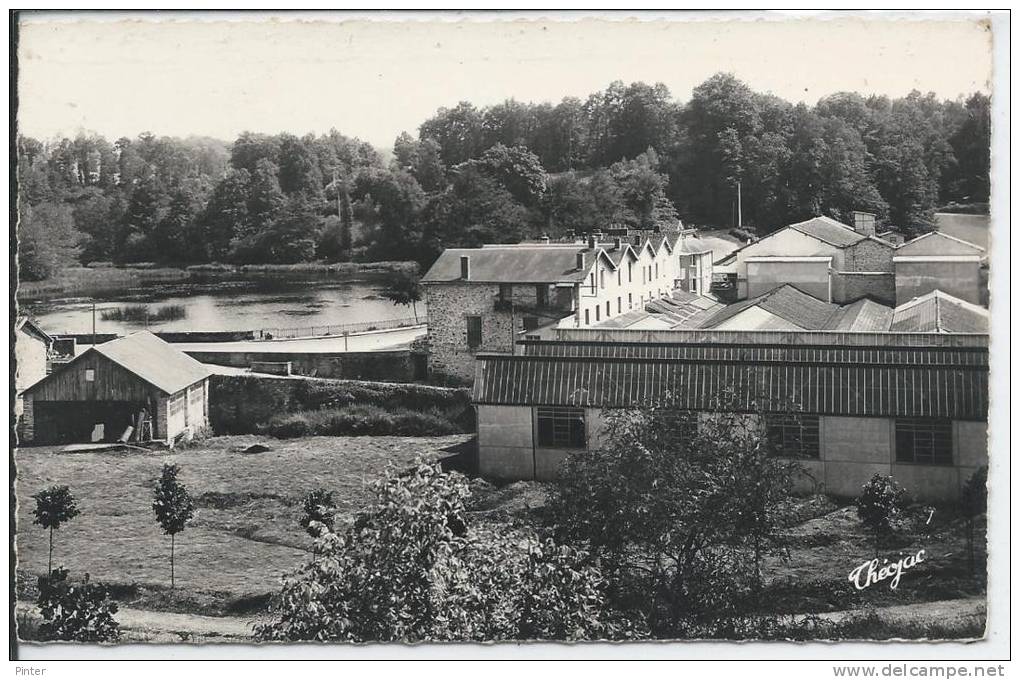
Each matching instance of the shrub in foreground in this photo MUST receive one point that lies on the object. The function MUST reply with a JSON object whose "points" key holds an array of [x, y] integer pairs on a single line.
{"points": [[73, 612], [410, 569], [880, 506]]}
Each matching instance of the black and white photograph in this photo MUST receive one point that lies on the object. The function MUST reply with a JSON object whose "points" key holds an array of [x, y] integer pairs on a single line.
{"points": [[403, 331]]}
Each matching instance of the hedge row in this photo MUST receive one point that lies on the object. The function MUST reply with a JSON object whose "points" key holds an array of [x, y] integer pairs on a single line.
{"points": [[248, 404], [360, 420]]}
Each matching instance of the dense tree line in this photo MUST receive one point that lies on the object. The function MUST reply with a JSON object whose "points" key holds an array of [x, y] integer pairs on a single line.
{"points": [[628, 155]]}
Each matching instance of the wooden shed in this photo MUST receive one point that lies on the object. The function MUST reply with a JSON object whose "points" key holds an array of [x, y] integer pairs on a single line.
{"points": [[135, 388]]}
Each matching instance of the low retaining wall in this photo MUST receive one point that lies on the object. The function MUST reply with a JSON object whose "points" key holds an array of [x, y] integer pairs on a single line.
{"points": [[388, 366]]}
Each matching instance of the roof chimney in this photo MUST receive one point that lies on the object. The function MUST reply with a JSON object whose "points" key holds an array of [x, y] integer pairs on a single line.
{"points": [[591, 242], [864, 223], [637, 239], [617, 243], [465, 267], [582, 261], [545, 239]]}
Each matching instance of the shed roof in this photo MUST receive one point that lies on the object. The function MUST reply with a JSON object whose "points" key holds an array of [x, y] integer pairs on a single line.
{"points": [[151, 359], [512, 264], [28, 325], [787, 302], [829, 230]]}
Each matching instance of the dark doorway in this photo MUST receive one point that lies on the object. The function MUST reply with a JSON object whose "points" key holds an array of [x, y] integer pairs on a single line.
{"points": [[72, 422]]}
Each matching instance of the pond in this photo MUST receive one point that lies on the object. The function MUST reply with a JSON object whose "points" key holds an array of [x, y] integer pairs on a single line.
{"points": [[228, 306]]}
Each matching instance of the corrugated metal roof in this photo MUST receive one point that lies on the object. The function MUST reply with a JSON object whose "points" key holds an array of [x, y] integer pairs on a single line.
{"points": [[829, 230], [759, 353], [837, 389], [938, 312], [862, 316], [511, 264], [154, 361]]}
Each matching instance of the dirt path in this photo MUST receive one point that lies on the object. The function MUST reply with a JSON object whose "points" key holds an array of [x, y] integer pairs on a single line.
{"points": [[184, 626], [940, 610], [155, 626]]}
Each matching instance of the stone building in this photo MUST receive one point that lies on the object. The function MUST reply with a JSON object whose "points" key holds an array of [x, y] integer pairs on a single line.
{"points": [[485, 299], [912, 405], [137, 386]]}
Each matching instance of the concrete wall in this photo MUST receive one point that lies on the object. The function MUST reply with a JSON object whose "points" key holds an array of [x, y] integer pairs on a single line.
{"points": [[506, 443], [959, 279], [852, 450], [810, 277], [786, 243]]}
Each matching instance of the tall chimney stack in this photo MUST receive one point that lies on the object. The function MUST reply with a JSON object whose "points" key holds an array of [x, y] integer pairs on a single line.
{"points": [[465, 267], [582, 261], [864, 223]]}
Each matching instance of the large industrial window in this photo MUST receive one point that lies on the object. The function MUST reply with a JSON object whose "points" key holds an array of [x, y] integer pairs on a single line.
{"points": [[474, 331], [561, 428], [793, 435], [924, 440]]}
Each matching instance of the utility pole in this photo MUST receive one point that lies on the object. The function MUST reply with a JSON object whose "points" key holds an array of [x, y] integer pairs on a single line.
{"points": [[740, 211], [93, 323], [336, 187]]}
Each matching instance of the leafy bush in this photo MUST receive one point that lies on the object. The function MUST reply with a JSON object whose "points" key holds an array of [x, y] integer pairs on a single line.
{"points": [[247, 404], [880, 506], [680, 517], [359, 420], [75, 613], [411, 569], [973, 503]]}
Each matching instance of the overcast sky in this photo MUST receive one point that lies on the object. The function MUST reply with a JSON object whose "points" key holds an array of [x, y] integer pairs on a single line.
{"points": [[374, 79]]}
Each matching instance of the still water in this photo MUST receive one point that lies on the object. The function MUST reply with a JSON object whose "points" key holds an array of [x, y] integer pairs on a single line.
{"points": [[226, 308]]}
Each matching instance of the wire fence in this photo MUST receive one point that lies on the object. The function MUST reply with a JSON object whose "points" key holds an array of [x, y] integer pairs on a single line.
{"points": [[338, 329]]}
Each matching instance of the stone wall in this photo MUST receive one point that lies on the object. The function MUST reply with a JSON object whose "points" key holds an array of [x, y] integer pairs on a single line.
{"points": [[450, 304], [868, 256], [849, 287]]}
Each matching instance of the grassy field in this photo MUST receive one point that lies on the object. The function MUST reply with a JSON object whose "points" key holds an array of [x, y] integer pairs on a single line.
{"points": [[245, 534]]}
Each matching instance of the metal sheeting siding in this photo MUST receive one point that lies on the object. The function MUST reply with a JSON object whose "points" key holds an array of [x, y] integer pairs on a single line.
{"points": [[899, 356], [826, 389]]}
